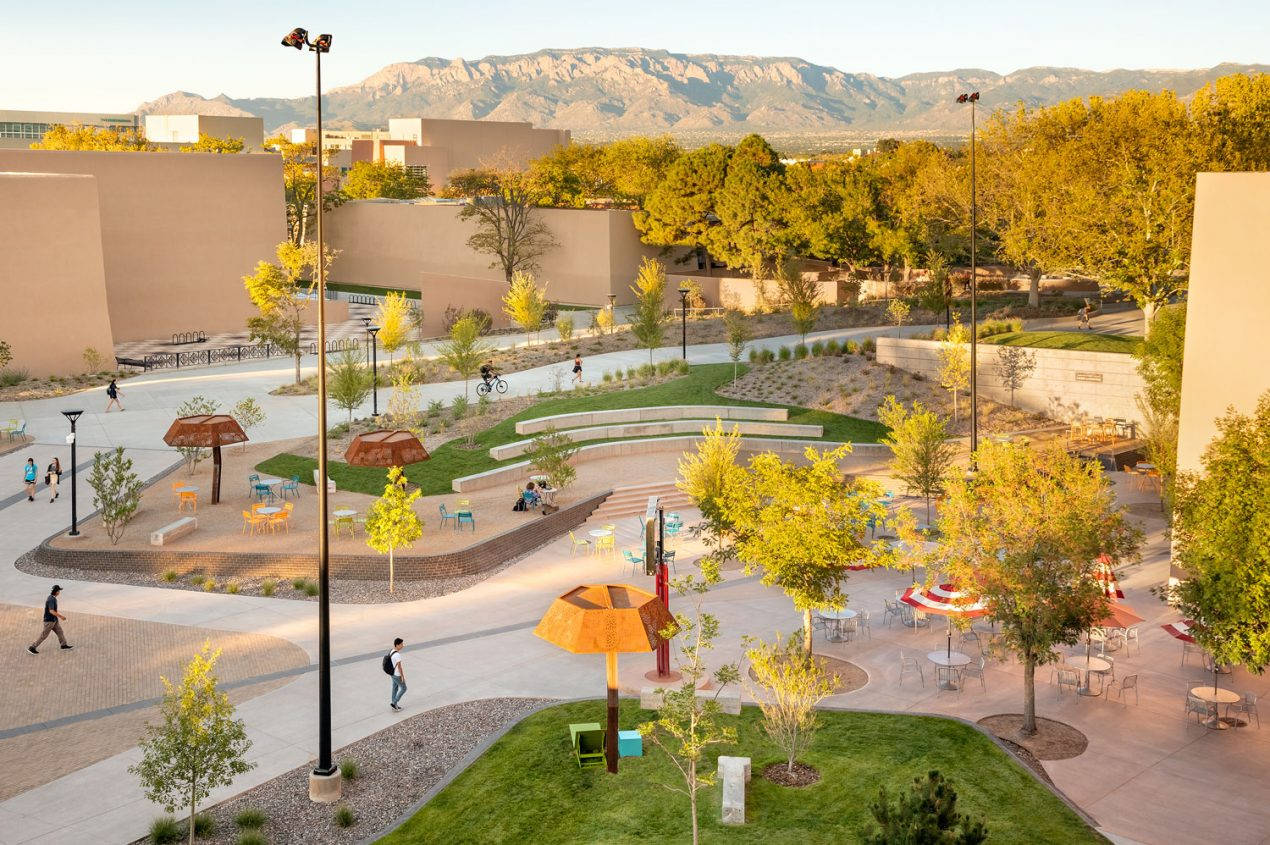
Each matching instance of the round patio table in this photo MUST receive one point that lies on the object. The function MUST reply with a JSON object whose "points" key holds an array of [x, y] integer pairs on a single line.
{"points": [[344, 512], [1215, 696], [955, 660], [601, 532], [834, 634], [1086, 666], [188, 488], [269, 511]]}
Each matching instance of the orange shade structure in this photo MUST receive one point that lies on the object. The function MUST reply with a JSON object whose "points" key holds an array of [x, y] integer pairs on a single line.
{"points": [[385, 449], [206, 431], [607, 619]]}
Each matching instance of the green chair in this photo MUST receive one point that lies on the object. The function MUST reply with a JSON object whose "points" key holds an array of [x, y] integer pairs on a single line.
{"points": [[587, 739]]}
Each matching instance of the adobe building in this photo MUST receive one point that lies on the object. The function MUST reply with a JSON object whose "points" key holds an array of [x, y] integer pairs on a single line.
{"points": [[181, 129]]}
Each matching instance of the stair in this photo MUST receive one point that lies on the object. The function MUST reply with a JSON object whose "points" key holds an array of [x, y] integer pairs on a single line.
{"points": [[633, 501]]}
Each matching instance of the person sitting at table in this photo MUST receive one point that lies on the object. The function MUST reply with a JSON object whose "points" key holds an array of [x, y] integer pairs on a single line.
{"points": [[533, 495]]}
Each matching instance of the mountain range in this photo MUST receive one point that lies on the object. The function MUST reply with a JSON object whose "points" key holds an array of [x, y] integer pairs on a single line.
{"points": [[603, 93]]}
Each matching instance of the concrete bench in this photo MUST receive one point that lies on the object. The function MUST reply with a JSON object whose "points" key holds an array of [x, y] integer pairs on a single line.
{"points": [[656, 412], [173, 530], [330, 485], [729, 700], [734, 774]]}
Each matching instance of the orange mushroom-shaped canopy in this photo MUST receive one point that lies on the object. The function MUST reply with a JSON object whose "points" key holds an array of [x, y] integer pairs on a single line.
{"points": [[385, 449], [602, 618], [206, 431]]}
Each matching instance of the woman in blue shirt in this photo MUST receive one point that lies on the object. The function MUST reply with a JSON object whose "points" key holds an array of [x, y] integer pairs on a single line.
{"points": [[28, 475]]}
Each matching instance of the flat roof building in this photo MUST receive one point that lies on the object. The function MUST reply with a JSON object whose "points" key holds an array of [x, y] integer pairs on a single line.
{"points": [[21, 129], [186, 129]]}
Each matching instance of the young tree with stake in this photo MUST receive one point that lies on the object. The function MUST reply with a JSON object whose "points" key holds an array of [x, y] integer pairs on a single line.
{"points": [[922, 455], [391, 522], [465, 350], [648, 323], [525, 303], [738, 334], [1014, 365], [954, 361]]}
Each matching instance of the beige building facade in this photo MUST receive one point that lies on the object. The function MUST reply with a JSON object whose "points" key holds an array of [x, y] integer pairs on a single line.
{"points": [[179, 129], [1227, 358], [20, 129]]}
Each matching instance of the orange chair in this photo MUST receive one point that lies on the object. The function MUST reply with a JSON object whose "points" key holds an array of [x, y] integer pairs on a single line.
{"points": [[184, 497], [282, 518], [256, 522]]}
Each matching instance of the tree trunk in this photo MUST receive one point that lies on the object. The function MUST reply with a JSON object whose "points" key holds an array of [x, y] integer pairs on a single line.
{"points": [[1034, 287], [1029, 696], [390, 569], [297, 364], [807, 631], [692, 798], [193, 812], [1148, 315]]}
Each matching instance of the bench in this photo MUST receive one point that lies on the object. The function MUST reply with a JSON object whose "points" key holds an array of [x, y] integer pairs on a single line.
{"points": [[139, 363], [173, 530], [729, 701], [330, 485], [734, 774]]}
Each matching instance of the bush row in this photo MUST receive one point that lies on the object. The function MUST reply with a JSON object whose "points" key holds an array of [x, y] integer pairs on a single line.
{"points": [[818, 349]]}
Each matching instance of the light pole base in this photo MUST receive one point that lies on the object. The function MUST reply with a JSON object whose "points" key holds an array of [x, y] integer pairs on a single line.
{"points": [[325, 789], [74, 535], [669, 678]]}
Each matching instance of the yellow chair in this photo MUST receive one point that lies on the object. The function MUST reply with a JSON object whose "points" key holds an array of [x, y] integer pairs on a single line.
{"points": [[282, 518], [346, 521], [606, 544], [184, 497], [575, 542], [255, 521]]}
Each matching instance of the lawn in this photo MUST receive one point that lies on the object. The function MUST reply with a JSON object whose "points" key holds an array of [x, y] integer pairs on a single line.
{"points": [[346, 287], [1080, 341], [527, 788], [451, 460]]}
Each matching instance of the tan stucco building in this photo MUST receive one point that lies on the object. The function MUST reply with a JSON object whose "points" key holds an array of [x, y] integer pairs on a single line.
{"points": [[178, 129], [1227, 359], [20, 129]]}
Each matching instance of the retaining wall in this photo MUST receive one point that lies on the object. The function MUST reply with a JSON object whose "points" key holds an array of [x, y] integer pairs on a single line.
{"points": [[648, 429], [660, 412], [1065, 385], [472, 560]]}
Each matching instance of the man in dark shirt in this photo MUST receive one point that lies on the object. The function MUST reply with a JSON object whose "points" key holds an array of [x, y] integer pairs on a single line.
{"points": [[52, 622]]}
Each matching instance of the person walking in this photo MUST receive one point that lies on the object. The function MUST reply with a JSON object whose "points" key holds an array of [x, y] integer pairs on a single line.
{"points": [[51, 477], [29, 472], [52, 622], [1082, 316], [577, 369], [398, 673], [112, 390]]}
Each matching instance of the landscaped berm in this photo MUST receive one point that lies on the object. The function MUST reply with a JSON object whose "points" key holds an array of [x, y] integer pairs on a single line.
{"points": [[527, 787]]}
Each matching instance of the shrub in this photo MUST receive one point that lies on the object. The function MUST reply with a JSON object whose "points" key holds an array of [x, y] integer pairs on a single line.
{"points": [[785, 354], [989, 328], [631, 373], [833, 347], [232, 587], [310, 589], [682, 367], [344, 816], [12, 378], [564, 326], [267, 587], [436, 408], [768, 356], [818, 349], [665, 368], [482, 404], [459, 407], [926, 813], [939, 334], [252, 837], [453, 314], [869, 346], [204, 824], [851, 347], [298, 583], [169, 575], [196, 579], [116, 491], [349, 770], [754, 355], [646, 371], [800, 351], [92, 360], [165, 829], [607, 378], [209, 585], [250, 819]]}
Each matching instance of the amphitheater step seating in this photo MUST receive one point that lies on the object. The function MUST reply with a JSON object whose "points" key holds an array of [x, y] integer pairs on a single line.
{"points": [[633, 500]]}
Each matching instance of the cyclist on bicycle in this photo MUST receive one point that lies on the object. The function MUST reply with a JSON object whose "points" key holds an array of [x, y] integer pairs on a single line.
{"points": [[487, 373]]}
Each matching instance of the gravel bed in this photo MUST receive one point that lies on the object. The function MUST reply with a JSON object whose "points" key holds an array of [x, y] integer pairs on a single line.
{"points": [[343, 590], [396, 767]]}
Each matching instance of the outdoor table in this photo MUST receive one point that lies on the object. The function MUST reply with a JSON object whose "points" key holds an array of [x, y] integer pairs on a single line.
{"points": [[187, 488], [341, 513], [269, 511], [834, 634], [955, 660], [1141, 465], [270, 482], [1087, 666], [538, 479], [1215, 695], [601, 532]]}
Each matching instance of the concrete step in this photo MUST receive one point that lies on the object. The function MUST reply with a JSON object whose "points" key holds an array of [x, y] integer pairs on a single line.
{"points": [[633, 500]]}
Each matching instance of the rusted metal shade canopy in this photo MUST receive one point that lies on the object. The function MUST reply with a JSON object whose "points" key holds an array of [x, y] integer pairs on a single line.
{"points": [[385, 449], [206, 431], [606, 618]]}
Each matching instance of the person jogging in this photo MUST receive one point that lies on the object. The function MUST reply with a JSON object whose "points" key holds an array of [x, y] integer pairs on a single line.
{"points": [[577, 369]]}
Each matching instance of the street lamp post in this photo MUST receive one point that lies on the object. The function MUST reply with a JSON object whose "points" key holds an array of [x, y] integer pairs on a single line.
{"points": [[72, 417], [683, 317], [973, 98], [373, 331], [324, 780]]}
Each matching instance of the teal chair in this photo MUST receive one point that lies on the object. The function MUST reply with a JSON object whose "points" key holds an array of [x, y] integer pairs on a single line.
{"points": [[292, 487], [446, 516], [462, 517], [251, 484], [633, 559]]}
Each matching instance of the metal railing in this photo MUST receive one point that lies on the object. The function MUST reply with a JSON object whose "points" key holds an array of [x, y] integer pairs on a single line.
{"points": [[228, 354]]}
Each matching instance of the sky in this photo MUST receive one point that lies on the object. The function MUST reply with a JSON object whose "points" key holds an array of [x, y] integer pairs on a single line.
{"points": [[91, 55]]}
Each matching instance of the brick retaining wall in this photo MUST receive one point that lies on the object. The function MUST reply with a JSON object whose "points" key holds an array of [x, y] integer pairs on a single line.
{"points": [[474, 559]]}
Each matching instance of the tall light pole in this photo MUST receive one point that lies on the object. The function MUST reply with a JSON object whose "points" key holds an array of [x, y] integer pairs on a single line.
{"points": [[973, 98], [373, 331], [324, 780], [683, 315], [72, 417]]}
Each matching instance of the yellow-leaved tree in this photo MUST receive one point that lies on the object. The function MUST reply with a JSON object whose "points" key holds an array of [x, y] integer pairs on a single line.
{"points": [[282, 293], [394, 318], [525, 302], [391, 523]]}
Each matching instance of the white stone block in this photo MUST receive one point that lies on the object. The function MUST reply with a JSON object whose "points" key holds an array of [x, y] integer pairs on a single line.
{"points": [[734, 774]]}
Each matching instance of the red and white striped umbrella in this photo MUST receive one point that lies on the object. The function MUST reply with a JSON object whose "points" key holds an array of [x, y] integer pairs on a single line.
{"points": [[1105, 574], [1180, 630], [945, 600]]}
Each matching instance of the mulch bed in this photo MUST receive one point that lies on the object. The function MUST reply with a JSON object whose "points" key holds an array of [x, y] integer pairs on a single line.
{"points": [[396, 767], [850, 676], [1053, 740], [802, 775]]}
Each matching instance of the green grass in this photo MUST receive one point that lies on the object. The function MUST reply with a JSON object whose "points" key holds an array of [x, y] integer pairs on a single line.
{"points": [[1082, 341], [343, 287], [451, 460], [527, 788]]}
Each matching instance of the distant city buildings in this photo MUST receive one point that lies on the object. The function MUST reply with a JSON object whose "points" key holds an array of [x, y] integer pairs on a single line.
{"points": [[21, 129]]}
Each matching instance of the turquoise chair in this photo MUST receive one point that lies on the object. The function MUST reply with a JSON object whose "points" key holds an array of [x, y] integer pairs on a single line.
{"points": [[634, 560], [462, 517], [292, 486], [251, 484], [445, 515]]}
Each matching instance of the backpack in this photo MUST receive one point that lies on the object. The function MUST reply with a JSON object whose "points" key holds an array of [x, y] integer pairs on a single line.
{"points": [[520, 504], [388, 668]]}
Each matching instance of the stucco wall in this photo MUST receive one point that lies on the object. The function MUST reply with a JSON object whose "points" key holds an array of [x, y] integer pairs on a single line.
{"points": [[1065, 385], [472, 143], [1226, 360], [51, 272], [178, 232]]}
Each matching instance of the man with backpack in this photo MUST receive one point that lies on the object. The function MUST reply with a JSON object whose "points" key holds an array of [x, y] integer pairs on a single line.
{"points": [[392, 666]]}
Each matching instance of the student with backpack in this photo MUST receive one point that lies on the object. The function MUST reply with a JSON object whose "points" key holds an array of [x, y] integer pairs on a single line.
{"points": [[112, 391], [392, 666]]}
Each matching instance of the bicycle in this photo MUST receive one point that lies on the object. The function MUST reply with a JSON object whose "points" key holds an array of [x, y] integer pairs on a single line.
{"points": [[495, 383]]}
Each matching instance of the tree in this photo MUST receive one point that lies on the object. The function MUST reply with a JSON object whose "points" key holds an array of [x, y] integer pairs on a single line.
{"points": [[1014, 365], [192, 407], [1160, 365], [829, 209], [564, 327], [394, 321], [465, 350], [737, 329], [116, 491], [525, 302], [1026, 534], [77, 137], [602, 321], [211, 144], [925, 815], [788, 685], [281, 293], [501, 203], [636, 166], [550, 453], [648, 323], [299, 181], [922, 455], [248, 414], [1222, 540], [348, 381], [687, 723], [403, 404], [391, 522], [897, 310], [92, 360], [954, 361], [387, 179], [753, 232], [709, 476], [801, 293], [1230, 115], [197, 746], [6, 354], [803, 524], [680, 211]]}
